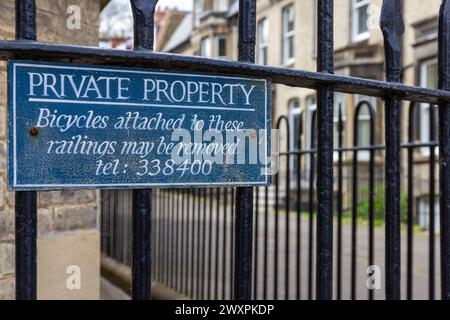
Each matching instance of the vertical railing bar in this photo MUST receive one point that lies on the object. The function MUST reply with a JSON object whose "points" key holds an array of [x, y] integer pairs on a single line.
{"points": [[217, 245], [312, 173], [325, 100], [167, 254], [199, 255], [299, 225], [143, 11], [299, 217], [431, 261], [141, 279], [231, 263], [183, 222], [339, 205], [177, 240], [244, 195], [210, 243], [224, 244], [165, 235], [192, 222], [287, 266], [444, 146], [391, 23], [26, 201], [410, 223], [117, 229], [107, 196], [203, 272], [255, 245], [276, 240], [161, 213], [266, 241], [157, 235], [186, 241], [172, 239], [371, 193], [354, 204]]}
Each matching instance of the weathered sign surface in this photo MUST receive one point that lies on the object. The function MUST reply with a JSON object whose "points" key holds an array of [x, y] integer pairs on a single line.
{"points": [[80, 126]]}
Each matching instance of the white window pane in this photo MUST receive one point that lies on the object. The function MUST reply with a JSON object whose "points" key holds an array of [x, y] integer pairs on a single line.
{"points": [[296, 131], [363, 133], [221, 47], [262, 38], [290, 47], [222, 5], [290, 19], [362, 19], [205, 49], [432, 76], [288, 33]]}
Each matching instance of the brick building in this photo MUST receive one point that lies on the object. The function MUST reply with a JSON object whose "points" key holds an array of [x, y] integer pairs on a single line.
{"points": [[68, 234]]}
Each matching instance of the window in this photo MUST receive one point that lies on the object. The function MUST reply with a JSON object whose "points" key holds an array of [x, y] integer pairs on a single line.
{"points": [[288, 34], [222, 5], [205, 47], [234, 42], [339, 103], [428, 79], [295, 119], [312, 128], [364, 125], [221, 47], [198, 9], [359, 20], [295, 114], [311, 133], [424, 213], [263, 40]]}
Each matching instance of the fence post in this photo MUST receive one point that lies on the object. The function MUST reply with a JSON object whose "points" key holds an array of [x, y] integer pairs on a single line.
{"points": [[143, 13], [325, 106], [444, 146], [391, 24], [244, 195], [26, 202]]}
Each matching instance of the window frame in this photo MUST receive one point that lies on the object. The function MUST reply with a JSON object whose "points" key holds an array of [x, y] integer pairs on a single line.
{"points": [[217, 38], [202, 41], [336, 122], [364, 155], [424, 132], [262, 45], [358, 36], [286, 35], [222, 5], [198, 10], [294, 110]]}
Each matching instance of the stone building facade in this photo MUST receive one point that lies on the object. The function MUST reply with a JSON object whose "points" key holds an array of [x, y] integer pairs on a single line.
{"points": [[68, 234], [286, 37]]}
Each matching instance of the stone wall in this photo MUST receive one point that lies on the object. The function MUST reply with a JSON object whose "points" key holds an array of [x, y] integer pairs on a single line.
{"points": [[67, 221]]}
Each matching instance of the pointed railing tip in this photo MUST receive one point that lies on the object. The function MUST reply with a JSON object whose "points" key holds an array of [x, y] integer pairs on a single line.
{"points": [[143, 13], [145, 6], [391, 23]]}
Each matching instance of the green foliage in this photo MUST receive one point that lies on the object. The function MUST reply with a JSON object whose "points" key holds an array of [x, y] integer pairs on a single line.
{"points": [[378, 204]]}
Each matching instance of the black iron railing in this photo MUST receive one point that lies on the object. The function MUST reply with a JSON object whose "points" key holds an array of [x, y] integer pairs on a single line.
{"points": [[193, 228], [26, 47]]}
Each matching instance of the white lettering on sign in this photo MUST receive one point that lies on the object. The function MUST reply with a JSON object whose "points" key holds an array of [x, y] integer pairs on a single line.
{"points": [[157, 90], [113, 127]]}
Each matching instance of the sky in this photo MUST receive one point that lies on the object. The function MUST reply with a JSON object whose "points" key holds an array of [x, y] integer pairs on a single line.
{"points": [[116, 18], [181, 4]]}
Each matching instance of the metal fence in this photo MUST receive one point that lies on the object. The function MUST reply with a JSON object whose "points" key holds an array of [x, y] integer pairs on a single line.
{"points": [[193, 229], [324, 81]]}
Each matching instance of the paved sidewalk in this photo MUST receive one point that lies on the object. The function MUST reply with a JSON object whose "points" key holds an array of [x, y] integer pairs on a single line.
{"points": [[110, 292]]}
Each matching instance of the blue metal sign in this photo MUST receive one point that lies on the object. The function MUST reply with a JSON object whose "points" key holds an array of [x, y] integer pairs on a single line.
{"points": [[81, 126]]}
